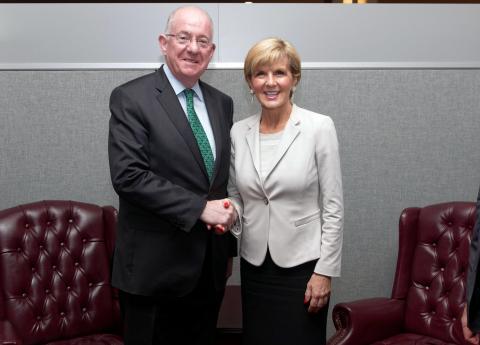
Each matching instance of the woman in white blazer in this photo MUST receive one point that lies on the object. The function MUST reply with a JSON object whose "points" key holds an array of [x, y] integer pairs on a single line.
{"points": [[286, 186]]}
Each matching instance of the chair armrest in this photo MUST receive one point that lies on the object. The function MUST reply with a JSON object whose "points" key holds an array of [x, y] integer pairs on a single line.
{"points": [[8, 336], [110, 219], [366, 321]]}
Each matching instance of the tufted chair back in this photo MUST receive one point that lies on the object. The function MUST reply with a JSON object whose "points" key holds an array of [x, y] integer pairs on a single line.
{"points": [[431, 268], [55, 274]]}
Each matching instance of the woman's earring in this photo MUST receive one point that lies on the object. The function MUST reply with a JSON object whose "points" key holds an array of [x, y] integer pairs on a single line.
{"points": [[252, 93], [293, 93]]}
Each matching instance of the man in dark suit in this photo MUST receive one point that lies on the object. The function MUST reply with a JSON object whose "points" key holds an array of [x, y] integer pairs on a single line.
{"points": [[471, 313], [169, 154]]}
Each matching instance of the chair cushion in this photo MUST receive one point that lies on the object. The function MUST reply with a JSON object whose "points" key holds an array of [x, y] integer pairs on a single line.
{"points": [[430, 279], [411, 339], [436, 296], [55, 271], [95, 339]]}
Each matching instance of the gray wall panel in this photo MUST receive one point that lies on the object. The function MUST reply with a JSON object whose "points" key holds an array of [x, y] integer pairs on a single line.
{"points": [[407, 138], [51, 35], [339, 33], [88, 33]]}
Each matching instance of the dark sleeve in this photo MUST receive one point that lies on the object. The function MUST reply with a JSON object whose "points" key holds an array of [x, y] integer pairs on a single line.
{"points": [[132, 178]]}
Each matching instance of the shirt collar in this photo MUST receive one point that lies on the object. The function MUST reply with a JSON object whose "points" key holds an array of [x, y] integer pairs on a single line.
{"points": [[178, 87]]}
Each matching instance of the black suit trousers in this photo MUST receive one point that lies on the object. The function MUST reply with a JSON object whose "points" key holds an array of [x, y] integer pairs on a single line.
{"points": [[186, 320]]}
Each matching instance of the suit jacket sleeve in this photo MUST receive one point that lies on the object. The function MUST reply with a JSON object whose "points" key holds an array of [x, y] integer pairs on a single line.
{"points": [[131, 175], [233, 193], [330, 181]]}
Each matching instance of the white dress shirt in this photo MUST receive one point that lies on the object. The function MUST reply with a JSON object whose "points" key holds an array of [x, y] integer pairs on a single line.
{"points": [[198, 103]]}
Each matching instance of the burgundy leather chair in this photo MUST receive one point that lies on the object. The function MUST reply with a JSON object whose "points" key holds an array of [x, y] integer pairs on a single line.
{"points": [[428, 293], [55, 259]]}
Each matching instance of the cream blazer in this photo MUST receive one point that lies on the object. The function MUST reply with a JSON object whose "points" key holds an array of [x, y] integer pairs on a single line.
{"points": [[296, 210]]}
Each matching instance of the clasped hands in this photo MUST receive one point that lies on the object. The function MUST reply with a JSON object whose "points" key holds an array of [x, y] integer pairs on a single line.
{"points": [[219, 215]]}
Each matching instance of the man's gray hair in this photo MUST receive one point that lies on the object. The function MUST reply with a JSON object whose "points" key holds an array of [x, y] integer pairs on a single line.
{"points": [[171, 17]]}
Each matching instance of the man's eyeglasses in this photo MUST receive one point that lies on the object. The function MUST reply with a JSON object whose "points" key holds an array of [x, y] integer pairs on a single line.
{"points": [[184, 38]]}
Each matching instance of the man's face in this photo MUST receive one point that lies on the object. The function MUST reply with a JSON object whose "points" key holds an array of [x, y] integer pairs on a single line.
{"points": [[188, 58]]}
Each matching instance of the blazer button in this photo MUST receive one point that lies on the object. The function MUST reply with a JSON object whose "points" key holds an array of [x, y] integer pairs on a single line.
{"points": [[265, 201]]}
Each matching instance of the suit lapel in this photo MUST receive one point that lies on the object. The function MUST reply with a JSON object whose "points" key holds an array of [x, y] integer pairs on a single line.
{"points": [[290, 133], [253, 142], [169, 102]]}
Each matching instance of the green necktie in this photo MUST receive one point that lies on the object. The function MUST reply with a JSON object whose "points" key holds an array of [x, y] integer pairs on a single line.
{"points": [[199, 133]]}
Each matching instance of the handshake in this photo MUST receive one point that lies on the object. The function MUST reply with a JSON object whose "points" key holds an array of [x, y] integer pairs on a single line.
{"points": [[219, 215]]}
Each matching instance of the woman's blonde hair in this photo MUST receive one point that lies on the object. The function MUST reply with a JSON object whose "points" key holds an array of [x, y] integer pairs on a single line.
{"points": [[269, 51]]}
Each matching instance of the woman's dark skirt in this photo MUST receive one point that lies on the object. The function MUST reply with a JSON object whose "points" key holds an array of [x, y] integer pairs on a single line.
{"points": [[273, 309]]}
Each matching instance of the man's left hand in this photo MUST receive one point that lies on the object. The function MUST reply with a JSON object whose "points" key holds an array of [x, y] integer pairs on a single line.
{"points": [[467, 332]]}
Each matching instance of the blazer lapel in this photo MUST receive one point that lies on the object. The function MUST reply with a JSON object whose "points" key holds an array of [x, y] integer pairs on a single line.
{"points": [[215, 114], [290, 132], [253, 141], [169, 102]]}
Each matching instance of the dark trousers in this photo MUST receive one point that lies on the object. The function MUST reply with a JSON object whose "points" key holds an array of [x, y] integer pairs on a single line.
{"points": [[186, 320]]}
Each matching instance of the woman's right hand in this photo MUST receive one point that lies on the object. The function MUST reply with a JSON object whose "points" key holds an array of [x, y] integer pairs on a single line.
{"points": [[219, 215]]}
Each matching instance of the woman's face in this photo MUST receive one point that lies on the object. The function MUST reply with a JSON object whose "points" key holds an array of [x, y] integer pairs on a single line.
{"points": [[272, 84]]}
